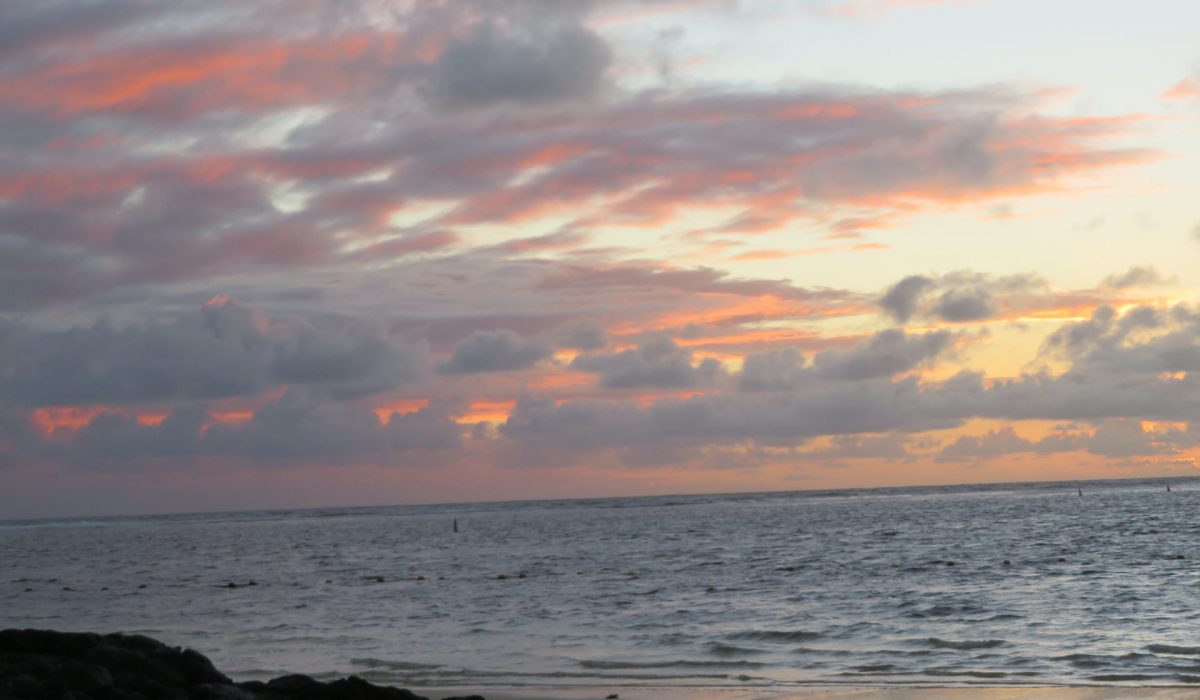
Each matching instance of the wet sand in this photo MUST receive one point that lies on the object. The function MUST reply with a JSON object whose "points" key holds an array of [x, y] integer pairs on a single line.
{"points": [[825, 692]]}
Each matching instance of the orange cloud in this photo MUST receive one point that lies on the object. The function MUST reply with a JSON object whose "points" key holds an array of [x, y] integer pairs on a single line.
{"points": [[192, 80], [401, 406], [1185, 89]]}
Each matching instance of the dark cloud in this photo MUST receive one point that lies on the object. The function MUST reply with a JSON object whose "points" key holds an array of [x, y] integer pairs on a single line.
{"points": [[489, 68], [224, 350], [585, 335], [657, 362], [299, 428], [891, 447], [971, 304], [965, 296], [776, 418], [1137, 276], [995, 443], [901, 299], [773, 370], [495, 351], [348, 356], [1145, 340], [579, 279], [885, 354], [1114, 438]]}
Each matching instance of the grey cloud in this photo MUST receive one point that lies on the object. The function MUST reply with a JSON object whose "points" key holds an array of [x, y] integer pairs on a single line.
{"points": [[490, 68], [1112, 438], [120, 438], [28, 26], [347, 355], [962, 296], [657, 362], [820, 405], [1137, 276], [495, 351], [186, 224], [995, 443], [579, 279], [299, 428], [223, 350], [773, 370], [768, 418], [892, 447], [887, 353], [1125, 438], [1143, 340], [586, 336], [972, 304], [900, 300]]}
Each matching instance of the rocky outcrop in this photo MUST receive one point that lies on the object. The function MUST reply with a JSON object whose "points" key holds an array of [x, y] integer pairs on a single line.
{"points": [[46, 665]]}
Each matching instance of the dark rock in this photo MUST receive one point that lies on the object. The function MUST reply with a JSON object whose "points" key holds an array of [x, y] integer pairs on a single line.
{"points": [[464, 697], [213, 691], [41, 664]]}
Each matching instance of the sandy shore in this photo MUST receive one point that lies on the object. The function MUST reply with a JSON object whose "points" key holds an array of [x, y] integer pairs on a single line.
{"points": [[824, 692]]}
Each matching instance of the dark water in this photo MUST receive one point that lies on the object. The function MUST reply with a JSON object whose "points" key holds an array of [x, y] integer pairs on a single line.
{"points": [[888, 586]]}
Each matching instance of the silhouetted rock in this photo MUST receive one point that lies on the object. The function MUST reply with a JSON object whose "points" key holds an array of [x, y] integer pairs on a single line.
{"points": [[47, 665]]}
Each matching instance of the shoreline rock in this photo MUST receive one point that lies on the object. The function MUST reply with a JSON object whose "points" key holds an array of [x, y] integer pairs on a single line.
{"points": [[50, 665]]}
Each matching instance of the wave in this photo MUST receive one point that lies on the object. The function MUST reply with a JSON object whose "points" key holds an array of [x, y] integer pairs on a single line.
{"points": [[965, 645], [949, 672], [774, 635], [372, 662], [1172, 649], [719, 649], [601, 665]]}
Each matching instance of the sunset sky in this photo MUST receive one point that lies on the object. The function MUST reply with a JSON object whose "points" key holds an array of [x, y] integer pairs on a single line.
{"points": [[298, 253]]}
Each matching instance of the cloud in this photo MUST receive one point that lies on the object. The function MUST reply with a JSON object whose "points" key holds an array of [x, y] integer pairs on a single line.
{"points": [[1143, 340], [495, 351], [299, 428], [348, 356], [773, 370], [328, 191], [223, 350], [1136, 276], [885, 354], [901, 299], [995, 443], [657, 362], [1115, 438], [891, 447], [1123, 369], [490, 68], [1186, 89], [969, 304], [585, 335], [961, 297]]}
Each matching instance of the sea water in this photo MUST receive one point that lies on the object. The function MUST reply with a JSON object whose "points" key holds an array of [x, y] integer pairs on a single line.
{"points": [[1002, 584]]}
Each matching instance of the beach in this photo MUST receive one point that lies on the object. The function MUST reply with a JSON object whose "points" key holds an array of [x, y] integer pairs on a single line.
{"points": [[47, 664], [833, 693]]}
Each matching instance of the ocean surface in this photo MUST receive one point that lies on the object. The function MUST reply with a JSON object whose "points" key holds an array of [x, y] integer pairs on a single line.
{"points": [[991, 585]]}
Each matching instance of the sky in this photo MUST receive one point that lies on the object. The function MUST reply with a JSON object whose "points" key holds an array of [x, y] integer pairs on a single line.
{"points": [[299, 253]]}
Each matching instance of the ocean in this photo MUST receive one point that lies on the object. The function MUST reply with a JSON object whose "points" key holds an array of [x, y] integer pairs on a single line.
{"points": [[976, 585]]}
